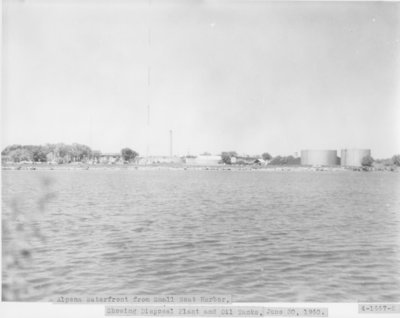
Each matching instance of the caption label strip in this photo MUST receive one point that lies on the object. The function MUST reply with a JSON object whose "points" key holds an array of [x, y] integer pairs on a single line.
{"points": [[214, 311], [379, 308], [162, 299], [186, 305]]}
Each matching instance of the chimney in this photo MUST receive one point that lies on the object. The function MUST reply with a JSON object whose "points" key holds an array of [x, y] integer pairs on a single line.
{"points": [[170, 143]]}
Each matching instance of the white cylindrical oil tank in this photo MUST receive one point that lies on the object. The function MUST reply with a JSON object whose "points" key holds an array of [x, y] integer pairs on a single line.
{"points": [[316, 157], [353, 157]]}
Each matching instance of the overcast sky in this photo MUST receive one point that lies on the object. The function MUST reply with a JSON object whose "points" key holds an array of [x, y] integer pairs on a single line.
{"points": [[246, 76]]}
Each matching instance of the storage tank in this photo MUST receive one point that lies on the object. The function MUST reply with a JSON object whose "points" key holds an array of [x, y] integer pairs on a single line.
{"points": [[316, 157], [353, 157]]}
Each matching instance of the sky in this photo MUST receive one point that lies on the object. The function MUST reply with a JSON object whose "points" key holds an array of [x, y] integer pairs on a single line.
{"points": [[249, 76]]}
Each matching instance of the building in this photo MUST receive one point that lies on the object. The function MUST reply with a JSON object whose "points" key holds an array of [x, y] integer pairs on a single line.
{"points": [[110, 158], [353, 157], [317, 157], [203, 160], [150, 160]]}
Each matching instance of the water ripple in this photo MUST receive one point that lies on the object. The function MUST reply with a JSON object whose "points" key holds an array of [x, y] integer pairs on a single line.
{"points": [[258, 236]]}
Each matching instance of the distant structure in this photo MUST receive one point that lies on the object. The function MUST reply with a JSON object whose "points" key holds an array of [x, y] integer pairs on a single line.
{"points": [[148, 132], [203, 160], [110, 158], [170, 143], [151, 160], [316, 157], [353, 157]]}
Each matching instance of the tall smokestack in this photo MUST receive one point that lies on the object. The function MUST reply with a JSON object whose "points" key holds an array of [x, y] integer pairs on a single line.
{"points": [[170, 143]]}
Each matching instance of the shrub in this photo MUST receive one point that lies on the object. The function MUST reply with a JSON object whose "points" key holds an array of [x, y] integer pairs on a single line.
{"points": [[367, 161], [396, 160]]}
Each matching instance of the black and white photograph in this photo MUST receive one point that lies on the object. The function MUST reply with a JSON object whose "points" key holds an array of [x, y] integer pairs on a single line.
{"points": [[203, 147]]}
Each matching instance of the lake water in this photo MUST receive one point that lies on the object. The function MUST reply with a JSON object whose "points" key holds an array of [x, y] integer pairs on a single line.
{"points": [[255, 235]]}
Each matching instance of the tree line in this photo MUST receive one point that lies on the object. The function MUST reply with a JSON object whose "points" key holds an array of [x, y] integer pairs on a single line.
{"points": [[59, 153], [227, 158]]}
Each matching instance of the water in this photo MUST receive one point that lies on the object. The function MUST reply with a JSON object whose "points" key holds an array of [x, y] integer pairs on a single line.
{"points": [[259, 236]]}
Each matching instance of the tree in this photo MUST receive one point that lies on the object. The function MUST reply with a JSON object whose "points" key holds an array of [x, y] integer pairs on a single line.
{"points": [[227, 155], [62, 152], [367, 161], [128, 154], [396, 160], [276, 161], [80, 152], [39, 154], [292, 160], [96, 154], [20, 154], [266, 156], [9, 149]]}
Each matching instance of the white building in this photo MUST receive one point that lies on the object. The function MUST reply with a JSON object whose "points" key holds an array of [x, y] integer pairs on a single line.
{"points": [[203, 160]]}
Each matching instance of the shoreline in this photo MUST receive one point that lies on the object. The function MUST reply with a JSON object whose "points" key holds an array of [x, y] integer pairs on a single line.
{"points": [[268, 168]]}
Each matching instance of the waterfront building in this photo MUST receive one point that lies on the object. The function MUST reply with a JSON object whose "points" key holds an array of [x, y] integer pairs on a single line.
{"points": [[110, 158], [203, 160], [149, 160]]}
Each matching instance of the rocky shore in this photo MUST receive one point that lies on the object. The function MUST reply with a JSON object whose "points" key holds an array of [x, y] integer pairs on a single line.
{"points": [[266, 168]]}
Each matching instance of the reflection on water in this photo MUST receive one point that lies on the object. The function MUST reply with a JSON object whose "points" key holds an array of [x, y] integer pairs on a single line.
{"points": [[260, 236]]}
